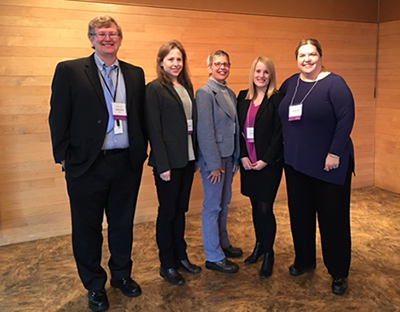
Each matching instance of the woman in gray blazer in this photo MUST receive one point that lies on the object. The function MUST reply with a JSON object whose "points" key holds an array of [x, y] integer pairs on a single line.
{"points": [[218, 138], [171, 120]]}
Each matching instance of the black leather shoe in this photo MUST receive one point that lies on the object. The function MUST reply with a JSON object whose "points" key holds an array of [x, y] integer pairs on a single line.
{"points": [[296, 271], [224, 266], [188, 266], [98, 300], [257, 253], [172, 276], [128, 286], [339, 285], [232, 252], [267, 265]]}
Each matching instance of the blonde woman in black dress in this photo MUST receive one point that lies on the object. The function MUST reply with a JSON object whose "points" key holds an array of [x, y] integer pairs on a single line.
{"points": [[261, 156]]}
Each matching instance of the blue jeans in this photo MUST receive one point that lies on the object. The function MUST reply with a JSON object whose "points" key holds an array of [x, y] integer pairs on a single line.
{"points": [[215, 211]]}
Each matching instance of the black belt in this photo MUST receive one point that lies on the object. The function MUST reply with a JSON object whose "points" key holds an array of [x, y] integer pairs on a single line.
{"points": [[113, 151]]}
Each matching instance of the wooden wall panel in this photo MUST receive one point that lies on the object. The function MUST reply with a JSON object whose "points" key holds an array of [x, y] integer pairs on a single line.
{"points": [[312, 9], [387, 141], [39, 33], [389, 10]]}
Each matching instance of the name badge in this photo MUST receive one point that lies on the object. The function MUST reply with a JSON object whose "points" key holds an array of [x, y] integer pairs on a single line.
{"points": [[295, 112], [118, 129], [250, 134], [119, 110], [190, 126]]}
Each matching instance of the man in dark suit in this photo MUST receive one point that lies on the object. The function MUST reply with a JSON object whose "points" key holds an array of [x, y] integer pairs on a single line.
{"points": [[98, 135]]}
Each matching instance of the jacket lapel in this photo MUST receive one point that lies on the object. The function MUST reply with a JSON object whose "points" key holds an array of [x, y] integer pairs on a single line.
{"points": [[243, 111], [93, 75], [221, 101], [171, 89], [263, 107], [128, 82]]}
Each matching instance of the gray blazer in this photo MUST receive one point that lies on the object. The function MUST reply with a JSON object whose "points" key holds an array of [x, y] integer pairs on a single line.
{"points": [[217, 127]]}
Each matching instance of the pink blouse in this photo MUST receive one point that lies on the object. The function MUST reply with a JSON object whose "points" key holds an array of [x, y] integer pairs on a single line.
{"points": [[249, 122]]}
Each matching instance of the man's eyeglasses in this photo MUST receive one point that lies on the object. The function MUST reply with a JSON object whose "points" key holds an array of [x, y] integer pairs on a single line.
{"points": [[102, 35], [219, 64]]}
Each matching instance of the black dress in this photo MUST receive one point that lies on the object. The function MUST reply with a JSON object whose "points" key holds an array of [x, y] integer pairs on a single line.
{"points": [[262, 185]]}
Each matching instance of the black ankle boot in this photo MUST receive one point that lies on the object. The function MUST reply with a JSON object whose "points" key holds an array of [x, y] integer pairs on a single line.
{"points": [[267, 265], [257, 252]]}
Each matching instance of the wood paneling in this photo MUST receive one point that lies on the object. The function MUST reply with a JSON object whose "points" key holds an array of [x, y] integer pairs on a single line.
{"points": [[39, 33], [387, 141], [312, 9], [389, 10]]}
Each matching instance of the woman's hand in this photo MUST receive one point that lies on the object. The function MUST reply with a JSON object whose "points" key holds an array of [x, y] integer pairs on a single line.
{"points": [[258, 165], [166, 176], [215, 175], [246, 163], [331, 162]]}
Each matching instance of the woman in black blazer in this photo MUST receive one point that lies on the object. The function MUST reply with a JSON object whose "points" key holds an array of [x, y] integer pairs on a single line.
{"points": [[171, 120], [261, 155]]}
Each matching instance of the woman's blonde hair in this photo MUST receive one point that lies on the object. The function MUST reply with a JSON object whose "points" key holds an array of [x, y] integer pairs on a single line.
{"points": [[271, 89]]}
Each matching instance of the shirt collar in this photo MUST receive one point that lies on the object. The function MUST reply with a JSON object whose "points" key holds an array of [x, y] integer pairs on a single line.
{"points": [[100, 63]]}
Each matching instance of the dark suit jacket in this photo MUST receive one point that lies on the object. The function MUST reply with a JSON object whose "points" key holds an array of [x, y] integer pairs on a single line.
{"points": [[78, 116], [267, 128], [167, 127]]}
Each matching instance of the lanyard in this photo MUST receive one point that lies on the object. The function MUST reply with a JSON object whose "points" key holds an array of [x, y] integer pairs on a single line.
{"points": [[108, 88], [295, 91]]}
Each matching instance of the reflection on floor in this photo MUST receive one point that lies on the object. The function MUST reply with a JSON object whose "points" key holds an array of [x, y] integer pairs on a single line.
{"points": [[41, 275]]}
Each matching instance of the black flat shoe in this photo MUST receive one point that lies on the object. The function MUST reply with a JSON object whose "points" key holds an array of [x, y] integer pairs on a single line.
{"points": [[232, 252], [127, 285], [224, 266], [188, 266], [255, 255], [267, 265], [172, 276], [98, 300], [339, 285], [296, 271]]}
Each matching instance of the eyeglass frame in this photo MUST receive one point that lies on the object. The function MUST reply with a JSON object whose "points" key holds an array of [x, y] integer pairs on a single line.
{"points": [[101, 35], [220, 64]]}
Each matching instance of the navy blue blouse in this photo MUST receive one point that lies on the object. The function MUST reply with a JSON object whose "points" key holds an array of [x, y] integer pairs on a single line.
{"points": [[325, 125]]}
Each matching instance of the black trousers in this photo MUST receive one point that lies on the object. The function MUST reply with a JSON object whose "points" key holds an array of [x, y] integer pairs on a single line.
{"points": [[173, 198], [111, 186], [308, 197]]}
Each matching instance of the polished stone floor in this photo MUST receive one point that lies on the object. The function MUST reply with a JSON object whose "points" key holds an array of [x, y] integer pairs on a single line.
{"points": [[41, 275]]}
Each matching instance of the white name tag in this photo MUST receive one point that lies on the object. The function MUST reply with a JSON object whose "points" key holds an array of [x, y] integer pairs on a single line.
{"points": [[295, 112], [118, 128], [190, 126], [119, 110], [250, 134]]}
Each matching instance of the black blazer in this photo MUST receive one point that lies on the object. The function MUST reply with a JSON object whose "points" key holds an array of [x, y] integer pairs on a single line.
{"points": [[167, 127], [267, 128], [78, 115]]}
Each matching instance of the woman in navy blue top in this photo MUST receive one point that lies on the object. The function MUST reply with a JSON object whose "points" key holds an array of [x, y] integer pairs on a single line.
{"points": [[317, 115]]}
